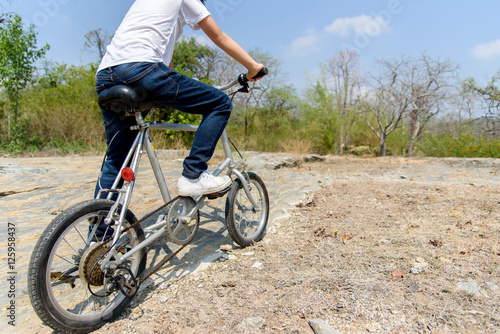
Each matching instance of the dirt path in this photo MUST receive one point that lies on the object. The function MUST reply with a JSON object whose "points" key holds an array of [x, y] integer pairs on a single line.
{"points": [[34, 190], [381, 245]]}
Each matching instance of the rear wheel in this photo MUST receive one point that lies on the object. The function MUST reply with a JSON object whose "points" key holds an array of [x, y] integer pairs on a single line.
{"points": [[65, 285], [246, 224]]}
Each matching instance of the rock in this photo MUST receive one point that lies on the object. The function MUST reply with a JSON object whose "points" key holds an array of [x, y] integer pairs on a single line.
{"points": [[290, 162], [287, 162], [491, 286], [257, 265], [413, 287], [248, 254], [373, 328], [321, 327], [471, 287], [313, 158], [226, 248], [252, 323], [419, 266]]}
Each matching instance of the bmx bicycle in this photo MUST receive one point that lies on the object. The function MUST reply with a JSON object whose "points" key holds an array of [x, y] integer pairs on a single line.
{"points": [[78, 281]]}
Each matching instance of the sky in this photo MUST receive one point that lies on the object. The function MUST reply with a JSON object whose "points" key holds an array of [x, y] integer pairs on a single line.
{"points": [[302, 35]]}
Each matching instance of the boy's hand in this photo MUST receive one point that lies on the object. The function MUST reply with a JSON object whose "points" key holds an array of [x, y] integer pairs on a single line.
{"points": [[251, 75]]}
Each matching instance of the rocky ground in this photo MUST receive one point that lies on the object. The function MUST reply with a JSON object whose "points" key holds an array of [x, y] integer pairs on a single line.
{"points": [[385, 245]]}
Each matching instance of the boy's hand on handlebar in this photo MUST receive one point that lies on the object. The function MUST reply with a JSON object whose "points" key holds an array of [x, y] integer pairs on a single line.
{"points": [[256, 73]]}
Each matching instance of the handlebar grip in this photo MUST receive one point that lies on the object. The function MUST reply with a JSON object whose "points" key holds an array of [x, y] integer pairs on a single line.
{"points": [[264, 71], [243, 77]]}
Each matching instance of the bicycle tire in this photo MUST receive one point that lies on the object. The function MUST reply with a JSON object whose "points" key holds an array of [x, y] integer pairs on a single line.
{"points": [[246, 226], [66, 304]]}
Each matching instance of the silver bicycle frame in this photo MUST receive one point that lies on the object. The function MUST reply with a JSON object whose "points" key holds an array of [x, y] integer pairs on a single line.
{"points": [[143, 142]]}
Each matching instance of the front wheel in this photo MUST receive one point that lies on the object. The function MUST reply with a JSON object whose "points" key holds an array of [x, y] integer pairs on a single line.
{"points": [[245, 223], [65, 284]]}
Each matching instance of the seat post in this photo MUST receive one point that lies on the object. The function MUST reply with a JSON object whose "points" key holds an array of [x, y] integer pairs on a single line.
{"points": [[139, 119]]}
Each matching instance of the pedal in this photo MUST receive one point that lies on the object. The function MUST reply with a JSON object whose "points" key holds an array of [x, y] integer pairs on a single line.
{"points": [[219, 194]]}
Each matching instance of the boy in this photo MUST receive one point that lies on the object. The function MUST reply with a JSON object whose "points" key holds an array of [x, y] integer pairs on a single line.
{"points": [[140, 54]]}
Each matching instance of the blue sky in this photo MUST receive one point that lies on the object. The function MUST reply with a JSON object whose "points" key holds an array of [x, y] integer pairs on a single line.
{"points": [[302, 34]]}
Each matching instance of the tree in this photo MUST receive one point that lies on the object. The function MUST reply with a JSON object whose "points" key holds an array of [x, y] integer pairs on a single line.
{"points": [[97, 40], [62, 106], [491, 97], [490, 92], [278, 107], [387, 103], [318, 113], [193, 59], [425, 84], [346, 85], [18, 55], [247, 106], [462, 114], [428, 82]]}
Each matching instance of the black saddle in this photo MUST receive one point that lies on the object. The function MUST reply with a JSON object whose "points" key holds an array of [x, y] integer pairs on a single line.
{"points": [[124, 100]]}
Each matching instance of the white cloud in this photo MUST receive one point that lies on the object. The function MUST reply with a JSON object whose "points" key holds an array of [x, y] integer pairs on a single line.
{"points": [[312, 40], [303, 45], [363, 24], [487, 50]]}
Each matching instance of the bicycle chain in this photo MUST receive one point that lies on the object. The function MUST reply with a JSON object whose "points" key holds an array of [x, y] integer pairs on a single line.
{"points": [[164, 261]]}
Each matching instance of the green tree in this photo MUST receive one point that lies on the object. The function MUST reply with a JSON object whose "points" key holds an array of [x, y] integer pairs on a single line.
{"points": [[193, 59], [321, 122], [63, 105], [490, 94], [18, 55], [278, 107]]}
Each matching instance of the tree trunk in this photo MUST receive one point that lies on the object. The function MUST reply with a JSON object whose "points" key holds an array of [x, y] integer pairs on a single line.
{"points": [[341, 135], [16, 109], [383, 150], [8, 124], [414, 130], [246, 127]]}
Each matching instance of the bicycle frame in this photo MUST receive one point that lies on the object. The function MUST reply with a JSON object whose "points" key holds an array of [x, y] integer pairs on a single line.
{"points": [[81, 276], [143, 140]]}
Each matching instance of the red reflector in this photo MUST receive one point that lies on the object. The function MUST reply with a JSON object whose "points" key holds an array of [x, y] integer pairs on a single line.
{"points": [[127, 174]]}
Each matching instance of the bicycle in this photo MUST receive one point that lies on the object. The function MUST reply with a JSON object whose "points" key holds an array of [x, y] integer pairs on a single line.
{"points": [[77, 282]]}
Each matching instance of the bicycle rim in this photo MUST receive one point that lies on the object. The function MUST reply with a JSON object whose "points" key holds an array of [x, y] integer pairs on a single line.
{"points": [[68, 304], [245, 223]]}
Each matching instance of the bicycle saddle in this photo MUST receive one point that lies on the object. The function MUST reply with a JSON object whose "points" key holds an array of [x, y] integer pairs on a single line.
{"points": [[123, 100]]}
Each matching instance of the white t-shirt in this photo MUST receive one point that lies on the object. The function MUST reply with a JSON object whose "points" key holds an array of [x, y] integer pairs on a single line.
{"points": [[150, 29]]}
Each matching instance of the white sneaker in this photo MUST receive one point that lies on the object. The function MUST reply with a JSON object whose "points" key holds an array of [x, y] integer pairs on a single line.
{"points": [[204, 185]]}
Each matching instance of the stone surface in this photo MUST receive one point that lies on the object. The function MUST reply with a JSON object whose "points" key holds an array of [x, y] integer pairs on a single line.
{"points": [[321, 327]]}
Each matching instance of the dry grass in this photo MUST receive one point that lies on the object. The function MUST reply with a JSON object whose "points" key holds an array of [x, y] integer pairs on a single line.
{"points": [[346, 256], [297, 146]]}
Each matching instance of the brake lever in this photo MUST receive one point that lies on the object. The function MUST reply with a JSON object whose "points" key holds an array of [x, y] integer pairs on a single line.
{"points": [[243, 81]]}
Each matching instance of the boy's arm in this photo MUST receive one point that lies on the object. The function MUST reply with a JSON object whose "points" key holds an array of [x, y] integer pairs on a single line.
{"points": [[228, 45]]}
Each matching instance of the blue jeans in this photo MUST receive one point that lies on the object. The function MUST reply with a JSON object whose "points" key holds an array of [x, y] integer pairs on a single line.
{"points": [[167, 88]]}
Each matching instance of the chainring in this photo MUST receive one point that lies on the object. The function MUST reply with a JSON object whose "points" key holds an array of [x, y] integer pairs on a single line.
{"points": [[180, 228]]}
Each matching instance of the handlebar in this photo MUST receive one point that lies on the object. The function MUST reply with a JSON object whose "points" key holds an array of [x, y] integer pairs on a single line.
{"points": [[243, 80]]}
